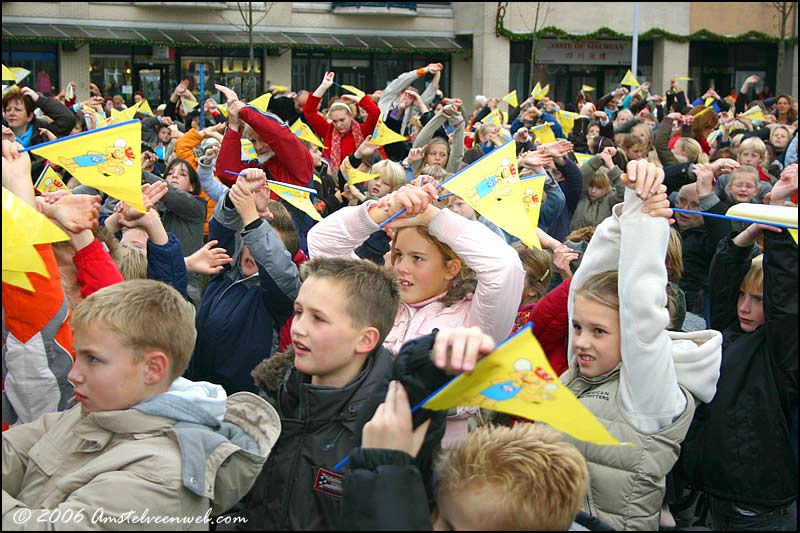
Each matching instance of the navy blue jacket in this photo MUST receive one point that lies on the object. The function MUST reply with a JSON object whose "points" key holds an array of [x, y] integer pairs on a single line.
{"points": [[239, 316]]}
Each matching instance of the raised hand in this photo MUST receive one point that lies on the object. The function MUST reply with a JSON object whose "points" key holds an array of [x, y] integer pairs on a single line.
{"points": [[644, 177], [208, 260], [433, 68], [458, 349], [254, 178], [27, 91], [785, 186], [244, 201], [73, 212], [705, 178], [366, 149], [153, 193], [563, 255], [416, 154], [391, 426]]}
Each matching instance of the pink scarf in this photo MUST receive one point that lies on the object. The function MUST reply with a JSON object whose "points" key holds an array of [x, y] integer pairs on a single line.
{"points": [[336, 144]]}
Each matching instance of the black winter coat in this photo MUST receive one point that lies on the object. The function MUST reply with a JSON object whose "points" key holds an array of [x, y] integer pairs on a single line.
{"points": [[739, 447]]}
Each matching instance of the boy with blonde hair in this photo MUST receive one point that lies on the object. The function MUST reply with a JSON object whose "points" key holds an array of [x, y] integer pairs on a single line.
{"points": [[141, 447], [752, 153], [499, 478]]}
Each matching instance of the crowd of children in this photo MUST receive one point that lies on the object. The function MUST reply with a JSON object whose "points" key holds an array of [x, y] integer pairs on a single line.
{"points": [[211, 361]]}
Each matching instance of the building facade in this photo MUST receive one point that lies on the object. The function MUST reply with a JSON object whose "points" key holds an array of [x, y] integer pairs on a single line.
{"points": [[486, 47]]}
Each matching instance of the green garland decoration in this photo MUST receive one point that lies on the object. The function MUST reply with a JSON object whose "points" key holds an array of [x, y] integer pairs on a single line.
{"points": [[607, 33], [302, 47]]}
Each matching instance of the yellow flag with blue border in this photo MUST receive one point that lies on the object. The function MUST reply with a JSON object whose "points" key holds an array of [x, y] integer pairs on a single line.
{"points": [[544, 133], [304, 132], [494, 118], [517, 379], [23, 227], [108, 159], [532, 197], [144, 107], [188, 104], [50, 181], [248, 150], [383, 135], [567, 120], [786, 215], [754, 113], [20, 73], [262, 102], [582, 158], [629, 79], [540, 92], [358, 92], [511, 98], [355, 176], [300, 199], [491, 186]]}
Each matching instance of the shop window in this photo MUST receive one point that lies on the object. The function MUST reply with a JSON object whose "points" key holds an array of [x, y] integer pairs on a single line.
{"points": [[112, 75], [190, 70], [41, 61], [237, 74]]}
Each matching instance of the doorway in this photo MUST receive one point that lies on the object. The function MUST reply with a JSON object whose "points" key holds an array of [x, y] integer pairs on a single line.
{"points": [[153, 82]]}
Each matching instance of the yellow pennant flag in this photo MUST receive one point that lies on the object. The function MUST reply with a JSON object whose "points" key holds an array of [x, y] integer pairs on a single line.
{"points": [[629, 79], [684, 78], [754, 113], [115, 117], [50, 181], [23, 227], [511, 98], [708, 102], [128, 114], [540, 92], [587, 89], [8, 75], [532, 197], [223, 108], [492, 187], [302, 130], [108, 159], [188, 104], [567, 120], [262, 102], [582, 158], [786, 215], [544, 133], [517, 379], [359, 93], [493, 118], [248, 150], [20, 73], [702, 112], [383, 135], [356, 176], [144, 107], [300, 199], [278, 89]]}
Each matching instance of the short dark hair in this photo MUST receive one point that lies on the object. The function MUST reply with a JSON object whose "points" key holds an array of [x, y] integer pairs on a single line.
{"points": [[373, 293], [193, 177], [13, 96]]}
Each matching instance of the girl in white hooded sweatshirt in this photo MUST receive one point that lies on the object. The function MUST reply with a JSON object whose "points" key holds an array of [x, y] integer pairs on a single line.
{"points": [[640, 380]]}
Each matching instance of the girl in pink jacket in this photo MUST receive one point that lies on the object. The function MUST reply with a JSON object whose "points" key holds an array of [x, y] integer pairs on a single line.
{"points": [[452, 271]]}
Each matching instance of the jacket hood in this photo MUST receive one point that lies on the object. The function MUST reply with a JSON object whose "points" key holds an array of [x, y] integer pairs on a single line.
{"points": [[213, 430], [698, 356]]}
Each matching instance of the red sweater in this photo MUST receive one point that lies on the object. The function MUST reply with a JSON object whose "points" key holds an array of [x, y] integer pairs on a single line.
{"points": [[324, 129], [292, 162], [551, 325], [96, 269]]}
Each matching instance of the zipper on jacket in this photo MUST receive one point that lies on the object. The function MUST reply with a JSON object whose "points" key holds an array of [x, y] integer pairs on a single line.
{"points": [[408, 323]]}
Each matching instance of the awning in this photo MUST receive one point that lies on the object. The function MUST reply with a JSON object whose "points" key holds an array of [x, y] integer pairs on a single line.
{"points": [[198, 35]]}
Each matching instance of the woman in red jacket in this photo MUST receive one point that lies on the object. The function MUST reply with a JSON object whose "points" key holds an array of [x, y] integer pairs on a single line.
{"points": [[342, 135]]}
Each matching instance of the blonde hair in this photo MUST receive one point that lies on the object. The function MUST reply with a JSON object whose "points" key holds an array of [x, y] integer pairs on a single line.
{"points": [[436, 172], [754, 279], [145, 315], [460, 286], [692, 149], [339, 105], [431, 143], [674, 256], [754, 144], [601, 288], [783, 127], [601, 179], [391, 173], [744, 172], [130, 260], [539, 480]]}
